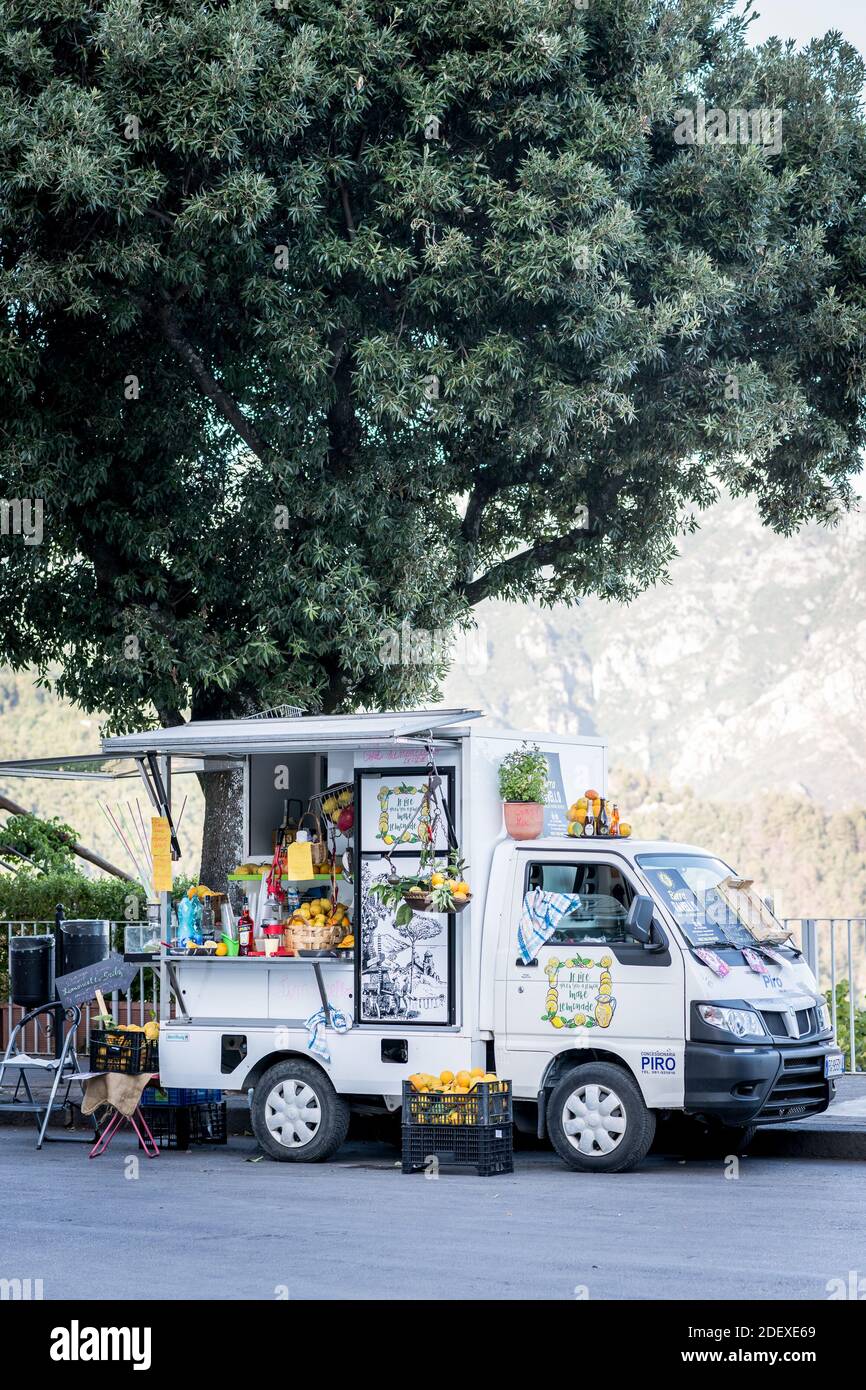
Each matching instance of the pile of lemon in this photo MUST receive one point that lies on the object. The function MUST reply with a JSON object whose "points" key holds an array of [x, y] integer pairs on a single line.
{"points": [[450, 1084], [457, 887], [320, 912]]}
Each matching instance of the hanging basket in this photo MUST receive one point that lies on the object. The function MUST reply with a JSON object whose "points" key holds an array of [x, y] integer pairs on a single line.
{"points": [[421, 902]]}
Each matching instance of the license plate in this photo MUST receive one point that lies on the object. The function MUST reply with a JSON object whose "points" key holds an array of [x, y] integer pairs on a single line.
{"points": [[834, 1066]]}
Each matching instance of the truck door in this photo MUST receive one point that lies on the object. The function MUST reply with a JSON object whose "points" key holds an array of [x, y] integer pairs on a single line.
{"points": [[591, 986]]}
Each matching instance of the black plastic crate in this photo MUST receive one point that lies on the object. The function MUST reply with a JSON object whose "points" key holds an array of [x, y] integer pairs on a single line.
{"points": [[488, 1103], [169, 1125], [113, 1050], [487, 1148], [179, 1126], [209, 1123]]}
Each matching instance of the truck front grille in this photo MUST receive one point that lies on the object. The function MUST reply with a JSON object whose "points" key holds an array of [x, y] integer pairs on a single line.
{"points": [[800, 1089], [807, 1023]]}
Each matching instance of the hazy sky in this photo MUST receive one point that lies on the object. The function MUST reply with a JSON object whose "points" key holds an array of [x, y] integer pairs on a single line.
{"points": [[805, 19]]}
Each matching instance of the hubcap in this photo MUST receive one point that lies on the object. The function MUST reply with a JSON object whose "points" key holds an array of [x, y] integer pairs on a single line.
{"points": [[292, 1113], [594, 1119]]}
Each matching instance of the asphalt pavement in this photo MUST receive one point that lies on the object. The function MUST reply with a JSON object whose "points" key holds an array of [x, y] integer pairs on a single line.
{"points": [[212, 1225]]}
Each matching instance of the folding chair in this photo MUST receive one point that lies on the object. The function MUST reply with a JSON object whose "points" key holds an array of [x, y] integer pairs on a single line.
{"points": [[63, 1070]]}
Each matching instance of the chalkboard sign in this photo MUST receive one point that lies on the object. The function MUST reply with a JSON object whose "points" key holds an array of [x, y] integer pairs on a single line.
{"points": [[80, 986]]}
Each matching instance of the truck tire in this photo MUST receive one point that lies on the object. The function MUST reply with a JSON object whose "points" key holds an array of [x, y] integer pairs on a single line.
{"points": [[296, 1114], [597, 1120]]}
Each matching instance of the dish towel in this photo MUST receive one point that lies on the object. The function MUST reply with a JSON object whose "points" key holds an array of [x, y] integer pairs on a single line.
{"points": [[315, 1026], [541, 915]]}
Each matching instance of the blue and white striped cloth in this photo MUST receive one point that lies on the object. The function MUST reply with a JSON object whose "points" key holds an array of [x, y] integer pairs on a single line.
{"points": [[541, 915], [315, 1026]]}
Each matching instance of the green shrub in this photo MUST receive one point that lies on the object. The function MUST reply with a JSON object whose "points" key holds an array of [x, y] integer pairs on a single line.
{"points": [[843, 1028], [33, 898]]}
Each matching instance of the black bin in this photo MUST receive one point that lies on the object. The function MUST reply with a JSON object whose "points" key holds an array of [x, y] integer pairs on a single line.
{"points": [[83, 943], [31, 970]]}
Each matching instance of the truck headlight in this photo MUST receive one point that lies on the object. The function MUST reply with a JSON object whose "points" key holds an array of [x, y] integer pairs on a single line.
{"points": [[825, 1018], [743, 1023]]}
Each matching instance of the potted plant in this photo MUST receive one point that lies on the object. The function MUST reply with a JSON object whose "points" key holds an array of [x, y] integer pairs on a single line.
{"points": [[523, 788]]}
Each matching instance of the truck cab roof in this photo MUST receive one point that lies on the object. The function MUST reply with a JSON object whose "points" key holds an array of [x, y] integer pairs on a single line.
{"points": [[628, 845]]}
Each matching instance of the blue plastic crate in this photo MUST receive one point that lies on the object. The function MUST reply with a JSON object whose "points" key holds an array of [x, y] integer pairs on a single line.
{"points": [[180, 1095]]}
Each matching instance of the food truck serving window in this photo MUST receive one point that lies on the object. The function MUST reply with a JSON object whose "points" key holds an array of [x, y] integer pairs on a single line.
{"points": [[690, 887]]}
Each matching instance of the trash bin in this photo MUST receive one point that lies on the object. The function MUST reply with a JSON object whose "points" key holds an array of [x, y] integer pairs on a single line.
{"points": [[31, 970], [83, 943]]}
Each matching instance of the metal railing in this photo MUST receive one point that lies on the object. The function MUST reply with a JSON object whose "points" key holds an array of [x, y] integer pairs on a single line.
{"points": [[835, 948], [135, 1005]]}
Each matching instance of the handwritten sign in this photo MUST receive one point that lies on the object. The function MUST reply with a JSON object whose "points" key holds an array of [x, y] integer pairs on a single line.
{"points": [[80, 986], [160, 845]]}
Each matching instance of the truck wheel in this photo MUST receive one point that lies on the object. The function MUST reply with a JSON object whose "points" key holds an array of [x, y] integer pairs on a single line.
{"points": [[597, 1120], [296, 1114]]}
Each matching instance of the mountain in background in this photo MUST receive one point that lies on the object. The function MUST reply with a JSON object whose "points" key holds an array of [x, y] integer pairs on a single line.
{"points": [[744, 676]]}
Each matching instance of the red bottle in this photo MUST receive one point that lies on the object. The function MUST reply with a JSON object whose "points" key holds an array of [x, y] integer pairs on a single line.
{"points": [[246, 932]]}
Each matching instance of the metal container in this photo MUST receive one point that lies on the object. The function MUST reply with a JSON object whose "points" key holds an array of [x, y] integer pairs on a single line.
{"points": [[83, 942], [31, 970]]}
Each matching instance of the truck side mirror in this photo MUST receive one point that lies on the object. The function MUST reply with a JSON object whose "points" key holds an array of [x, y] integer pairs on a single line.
{"points": [[639, 920]]}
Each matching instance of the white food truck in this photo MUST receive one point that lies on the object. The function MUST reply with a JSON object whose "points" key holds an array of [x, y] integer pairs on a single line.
{"points": [[664, 986]]}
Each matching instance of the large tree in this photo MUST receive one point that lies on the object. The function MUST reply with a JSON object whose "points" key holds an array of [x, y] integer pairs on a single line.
{"points": [[324, 315]]}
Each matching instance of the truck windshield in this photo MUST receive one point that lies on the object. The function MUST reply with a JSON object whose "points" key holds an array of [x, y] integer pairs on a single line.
{"points": [[710, 905]]}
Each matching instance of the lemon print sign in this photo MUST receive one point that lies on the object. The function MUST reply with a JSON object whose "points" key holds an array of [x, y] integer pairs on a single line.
{"points": [[579, 993], [404, 815]]}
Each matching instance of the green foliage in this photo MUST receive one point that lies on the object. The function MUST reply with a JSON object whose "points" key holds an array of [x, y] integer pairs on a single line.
{"points": [[289, 363], [33, 898], [48, 843], [843, 1025], [523, 774]]}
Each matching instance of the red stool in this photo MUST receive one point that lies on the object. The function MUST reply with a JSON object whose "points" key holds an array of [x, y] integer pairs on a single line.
{"points": [[136, 1119]]}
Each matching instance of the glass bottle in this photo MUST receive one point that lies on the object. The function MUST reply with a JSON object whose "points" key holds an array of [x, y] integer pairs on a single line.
{"points": [[602, 826]]}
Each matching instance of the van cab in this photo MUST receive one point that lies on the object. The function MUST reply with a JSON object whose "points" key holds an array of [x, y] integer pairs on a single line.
{"points": [[616, 1019]]}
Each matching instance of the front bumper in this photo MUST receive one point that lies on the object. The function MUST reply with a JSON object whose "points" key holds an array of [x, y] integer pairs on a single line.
{"points": [[764, 1085]]}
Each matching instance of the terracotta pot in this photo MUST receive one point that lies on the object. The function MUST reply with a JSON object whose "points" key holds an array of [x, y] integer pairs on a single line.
{"points": [[524, 820]]}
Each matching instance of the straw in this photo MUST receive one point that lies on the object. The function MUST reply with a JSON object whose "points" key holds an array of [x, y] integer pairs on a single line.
{"points": [[116, 827], [142, 839]]}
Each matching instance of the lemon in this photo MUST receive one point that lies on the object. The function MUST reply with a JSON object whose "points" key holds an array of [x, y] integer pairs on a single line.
{"points": [[557, 1021]]}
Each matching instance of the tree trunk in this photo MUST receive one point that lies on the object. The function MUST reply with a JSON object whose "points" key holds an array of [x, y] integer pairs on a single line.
{"points": [[223, 827]]}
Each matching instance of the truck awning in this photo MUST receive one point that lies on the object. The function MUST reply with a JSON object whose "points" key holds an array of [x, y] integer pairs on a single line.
{"points": [[99, 767], [312, 733]]}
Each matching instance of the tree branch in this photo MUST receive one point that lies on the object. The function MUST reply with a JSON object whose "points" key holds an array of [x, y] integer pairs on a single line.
{"points": [[470, 527], [508, 571], [209, 386], [347, 212], [544, 552]]}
